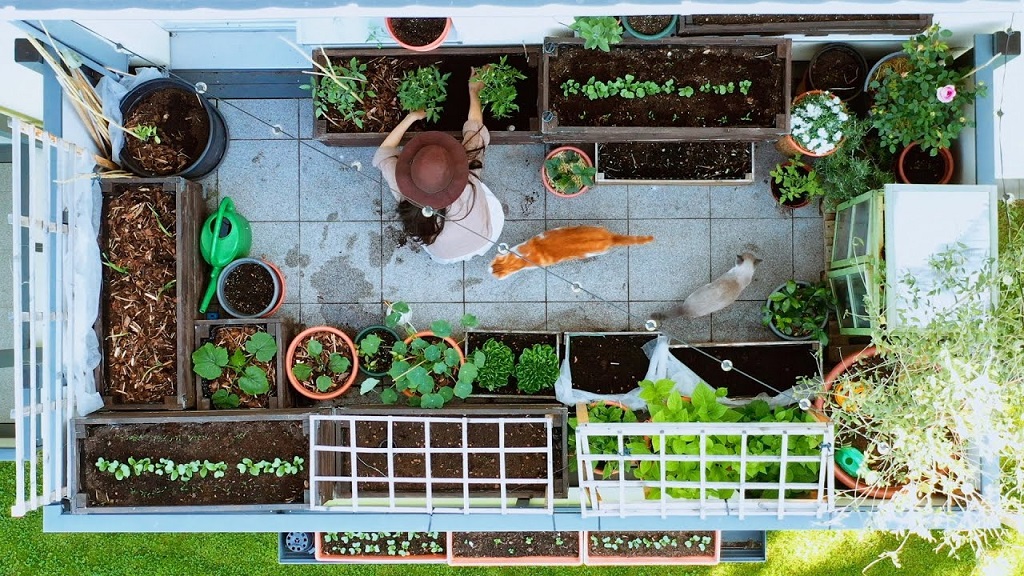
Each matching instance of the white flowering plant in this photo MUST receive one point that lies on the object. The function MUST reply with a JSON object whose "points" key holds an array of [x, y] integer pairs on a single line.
{"points": [[818, 120]]}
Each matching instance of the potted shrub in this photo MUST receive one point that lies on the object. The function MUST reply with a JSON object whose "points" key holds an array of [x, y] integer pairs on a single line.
{"points": [[818, 121], [650, 27], [382, 547], [795, 184], [600, 32], [374, 344], [567, 172], [838, 68], [322, 363], [498, 96], [916, 166], [652, 548], [419, 34], [859, 165], [250, 288], [424, 89], [171, 130], [239, 364], [600, 412], [798, 311], [515, 548]]}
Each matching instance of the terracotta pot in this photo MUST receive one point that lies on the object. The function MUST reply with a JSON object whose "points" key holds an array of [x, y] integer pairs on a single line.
{"points": [[556, 152], [514, 561], [290, 361], [450, 341], [425, 47], [284, 291], [790, 147], [323, 555], [845, 479], [779, 333], [777, 192], [944, 154]]}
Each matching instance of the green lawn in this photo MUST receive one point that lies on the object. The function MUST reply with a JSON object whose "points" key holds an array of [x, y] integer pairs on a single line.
{"points": [[27, 551]]}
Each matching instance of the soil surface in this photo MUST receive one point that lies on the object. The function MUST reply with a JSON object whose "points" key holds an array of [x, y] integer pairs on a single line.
{"points": [[776, 366], [384, 75], [182, 126], [331, 344], [381, 361], [518, 343], [596, 545], [449, 435], [675, 160], [416, 548], [417, 31], [922, 168], [249, 288], [233, 338], [515, 544], [691, 66], [783, 18], [229, 442], [839, 72], [139, 295], [612, 364], [649, 25]]}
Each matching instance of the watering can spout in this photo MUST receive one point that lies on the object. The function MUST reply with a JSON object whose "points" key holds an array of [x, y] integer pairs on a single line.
{"points": [[226, 236]]}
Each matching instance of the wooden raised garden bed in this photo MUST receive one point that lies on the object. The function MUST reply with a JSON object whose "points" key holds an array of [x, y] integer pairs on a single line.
{"points": [[384, 69], [382, 547], [227, 438], [517, 340], [777, 364], [647, 548], [515, 548], [232, 335], [806, 24], [607, 362], [721, 89], [149, 234], [675, 163]]}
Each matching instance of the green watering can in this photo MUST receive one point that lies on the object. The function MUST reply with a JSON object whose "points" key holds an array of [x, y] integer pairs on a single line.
{"points": [[225, 237]]}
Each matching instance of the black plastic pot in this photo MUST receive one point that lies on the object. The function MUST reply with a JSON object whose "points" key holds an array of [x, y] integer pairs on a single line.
{"points": [[853, 86], [216, 144]]}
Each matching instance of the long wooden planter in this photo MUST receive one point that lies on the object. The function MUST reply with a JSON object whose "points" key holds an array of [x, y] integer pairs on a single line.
{"points": [[476, 338], [558, 129], [638, 558], [272, 326], [190, 271], [897, 24], [777, 364], [82, 458], [622, 363], [602, 178], [513, 559], [522, 128]]}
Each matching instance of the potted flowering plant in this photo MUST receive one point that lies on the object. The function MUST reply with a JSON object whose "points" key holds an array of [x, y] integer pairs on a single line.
{"points": [[819, 118]]}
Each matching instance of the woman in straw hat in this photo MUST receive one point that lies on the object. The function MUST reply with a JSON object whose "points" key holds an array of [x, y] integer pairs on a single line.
{"points": [[441, 201]]}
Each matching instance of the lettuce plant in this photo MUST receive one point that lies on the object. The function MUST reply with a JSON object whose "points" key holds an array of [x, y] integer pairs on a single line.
{"points": [[537, 368], [497, 368]]}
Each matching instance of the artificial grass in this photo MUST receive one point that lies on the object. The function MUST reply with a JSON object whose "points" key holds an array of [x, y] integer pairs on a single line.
{"points": [[28, 551]]}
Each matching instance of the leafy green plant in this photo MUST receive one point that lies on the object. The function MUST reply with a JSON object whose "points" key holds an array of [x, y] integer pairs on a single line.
{"points": [[375, 352], [602, 413], [499, 91], [424, 89], [394, 543], [322, 366], [500, 363], [118, 469], [628, 87], [277, 467], [796, 180], [568, 172], [210, 361], [224, 398], [537, 368], [599, 32], [799, 309], [858, 166], [144, 132], [339, 89], [927, 103]]}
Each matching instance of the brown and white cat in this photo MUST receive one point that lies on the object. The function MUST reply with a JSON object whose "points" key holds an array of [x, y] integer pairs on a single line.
{"points": [[559, 245], [721, 292]]}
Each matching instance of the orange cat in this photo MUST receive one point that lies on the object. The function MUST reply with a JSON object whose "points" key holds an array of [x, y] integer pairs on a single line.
{"points": [[559, 245]]}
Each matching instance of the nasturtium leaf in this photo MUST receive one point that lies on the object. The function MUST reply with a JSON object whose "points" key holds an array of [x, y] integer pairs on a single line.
{"points": [[468, 373], [370, 344], [400, 307], [388, 396], [441, 328], [451, 357], [463, 389], [398, 369], [431, 401], [324, 383], [440, 368], [432, 352], [479, 358], [338, 364], [400, 348], [261, 345], [419, 377], [446, 392], [254, 381], [425, 387], [314, 347], [368, 385], [413, 401], [302, 372], [418, 344], [237, 359], [469, 320], [208, 360]]}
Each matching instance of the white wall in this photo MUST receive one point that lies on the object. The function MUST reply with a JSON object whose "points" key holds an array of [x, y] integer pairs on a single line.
{"points": [[23, 88]]}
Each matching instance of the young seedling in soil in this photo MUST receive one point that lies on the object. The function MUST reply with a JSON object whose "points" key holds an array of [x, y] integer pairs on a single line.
{"points": [[499, 92], [646, 544], [183, 126], [399, 544], [515, 544], [425, 89], [278, 467], [322, 366], [248, 367], [375, 351]]}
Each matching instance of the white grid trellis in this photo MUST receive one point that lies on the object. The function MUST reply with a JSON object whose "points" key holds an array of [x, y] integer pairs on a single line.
{"points": [[623, 495], [338, 465]]}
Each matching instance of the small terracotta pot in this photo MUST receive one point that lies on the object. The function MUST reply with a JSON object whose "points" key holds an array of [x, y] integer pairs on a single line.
{"points": [[790, 147], [290, 361], [944, 154], [556, 152], [425, 47]]}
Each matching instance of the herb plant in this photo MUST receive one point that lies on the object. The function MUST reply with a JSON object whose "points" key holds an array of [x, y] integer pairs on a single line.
{"points": [[374, 353], [323, 365], [341, 89], [568, 173], [599, 32], [500, 363], [537, 368], [858, 166], [819, 122], [796, 181], [602, 413], [144, 132], [424, 89], [210, 361], [799, 310], [499, 91]]}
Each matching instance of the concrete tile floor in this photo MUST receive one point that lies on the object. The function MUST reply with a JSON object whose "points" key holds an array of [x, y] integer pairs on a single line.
{"points": [[324, 216]]}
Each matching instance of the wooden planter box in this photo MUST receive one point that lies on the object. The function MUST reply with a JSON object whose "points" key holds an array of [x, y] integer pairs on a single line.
{"points": [[897, 24], [671, 149], [272, 326], [144, 433], [323, 553], [520, 340], [616, 356], [596, 555], [525, 124], [190, 274], [565, 58], [516, 541], [777, 364]]}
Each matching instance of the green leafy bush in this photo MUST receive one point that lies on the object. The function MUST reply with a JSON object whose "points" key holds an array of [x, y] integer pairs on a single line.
{"points": [[799, 309], [499, 91], [598, 31], [795, 183], [568, 173], [858, 166], [605, 413], [210, 362], [424, 89], [537, 368], [341, 89], [498, 367]]}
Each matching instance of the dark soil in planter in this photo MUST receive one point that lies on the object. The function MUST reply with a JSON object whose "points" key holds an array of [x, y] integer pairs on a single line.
{"points": [[649, 25], [613, 364], [777, 366], [674, 160], [838, 71], [514, 544], [233, 338], [381, 361], [181, 125], [922, 168], [417, 31], [140, 302], [783, 18], [416, 541], [229, 442], [596, 546], [408, 435], [517, 342], [249, 288], [331, 344], [688, 65]]}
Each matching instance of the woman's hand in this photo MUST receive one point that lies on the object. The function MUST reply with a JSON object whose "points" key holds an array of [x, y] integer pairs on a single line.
{"points": [[416, 115]]}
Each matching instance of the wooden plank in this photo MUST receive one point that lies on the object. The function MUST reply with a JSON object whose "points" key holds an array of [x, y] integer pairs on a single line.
{"points": [[905, 24]]}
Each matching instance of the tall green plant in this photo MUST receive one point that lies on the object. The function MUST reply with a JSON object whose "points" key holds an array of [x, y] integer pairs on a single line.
{"points": [[499, 92], [858, 166], [599, 32], [340, 88], [424, 89]]}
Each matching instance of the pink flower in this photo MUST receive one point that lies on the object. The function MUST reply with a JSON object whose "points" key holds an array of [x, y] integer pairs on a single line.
{"points": [[946, 93]]}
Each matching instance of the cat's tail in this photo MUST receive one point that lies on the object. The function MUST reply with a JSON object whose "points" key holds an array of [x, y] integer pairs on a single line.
{"points": [[626, 240], [505, 265]]}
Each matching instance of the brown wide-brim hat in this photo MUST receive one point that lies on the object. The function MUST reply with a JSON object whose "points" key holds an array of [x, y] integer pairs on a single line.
{"points": [[432, 170]]}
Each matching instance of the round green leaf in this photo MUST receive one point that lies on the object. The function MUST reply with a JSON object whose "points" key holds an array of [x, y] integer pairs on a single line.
{"points": [[314, 347], [468, 373], [262, 345], [432, 352], [441, 328], [432, 401], [254, 381], [463, 389], [208, 360], [446, 392], [388, 396], [324, 383], [302, 372], [440, 368], [338, 364], [368, 385], [370, 344]]}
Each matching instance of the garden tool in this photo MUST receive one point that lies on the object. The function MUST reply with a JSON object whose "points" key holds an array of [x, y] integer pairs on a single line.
{"points": [[225, 237], [850, 460]]}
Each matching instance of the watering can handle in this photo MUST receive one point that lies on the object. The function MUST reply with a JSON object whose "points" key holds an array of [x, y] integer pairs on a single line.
{"points": [[226, 205]]}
